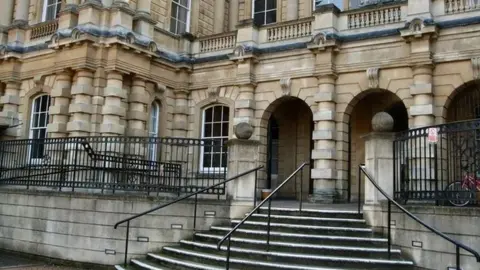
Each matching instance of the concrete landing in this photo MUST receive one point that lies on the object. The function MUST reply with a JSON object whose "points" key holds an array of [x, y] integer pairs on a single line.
{"points": [[9, 261], [317, 206]]}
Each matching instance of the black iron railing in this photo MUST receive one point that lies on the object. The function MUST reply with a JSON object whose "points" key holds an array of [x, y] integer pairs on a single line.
{"points": [[110, 164], [438, 163], [195, 194], [269, 200], [458, 245]]}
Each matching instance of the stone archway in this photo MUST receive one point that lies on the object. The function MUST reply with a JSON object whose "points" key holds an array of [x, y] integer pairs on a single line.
{"points": [[362, 110], [463, 103], [288, 143]]}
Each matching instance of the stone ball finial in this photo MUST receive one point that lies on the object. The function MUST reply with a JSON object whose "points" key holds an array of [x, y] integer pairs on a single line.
{"points": [[382, 122], [243, 131]]}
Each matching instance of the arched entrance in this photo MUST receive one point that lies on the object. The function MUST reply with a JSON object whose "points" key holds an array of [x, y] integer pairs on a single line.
{"points": [[464, 103], [363, 109], [289, 123]]}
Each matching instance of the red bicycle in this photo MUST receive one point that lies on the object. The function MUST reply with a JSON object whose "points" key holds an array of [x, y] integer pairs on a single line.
{"points": [[461, 193]]}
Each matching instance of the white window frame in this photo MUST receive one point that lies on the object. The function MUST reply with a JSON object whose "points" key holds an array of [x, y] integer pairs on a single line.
{"points": [[154, 119], [189, 10], [45, 8], [202, 136], [265, 11], [33, 126]]}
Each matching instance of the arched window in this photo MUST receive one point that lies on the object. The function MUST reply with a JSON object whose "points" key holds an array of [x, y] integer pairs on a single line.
{"points": [[153, 130], [38, 125], [215, 126]]}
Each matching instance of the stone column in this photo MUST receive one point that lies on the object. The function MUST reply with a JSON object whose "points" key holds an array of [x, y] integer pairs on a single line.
{"points": [[21, 12], [137, 111], [68, 16], [180, 113], [144, 24], [324, 153], [59, 110], [245, 105], [6, 13], [81, 109], [143, 6], [232, 15], [422, 92], [112, 110], [292, 10], [11, 102], [219, 13]]}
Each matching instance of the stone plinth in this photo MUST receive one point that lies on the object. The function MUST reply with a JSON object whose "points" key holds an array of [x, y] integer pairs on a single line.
{"points": [[243, 155], [379, 163]]}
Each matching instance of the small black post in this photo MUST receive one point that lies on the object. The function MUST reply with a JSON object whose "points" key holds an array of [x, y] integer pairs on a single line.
{"points": [[301, 189], [458, 257], [359, 186], [195, 215], [126, 244], [389, 228], [75, 164], [255, 192], [268, 224], [228, 253]]}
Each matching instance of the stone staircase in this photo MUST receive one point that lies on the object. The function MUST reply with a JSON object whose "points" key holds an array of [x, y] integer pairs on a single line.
{"points": [[307, 240]]}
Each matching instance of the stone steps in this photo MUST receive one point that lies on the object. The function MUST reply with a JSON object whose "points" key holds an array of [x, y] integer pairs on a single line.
{"points": [[307, 240]]}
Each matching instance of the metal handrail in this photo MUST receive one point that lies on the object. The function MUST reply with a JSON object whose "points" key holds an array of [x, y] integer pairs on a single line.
{"points": [[268, 198], [458, 245], [127, 220]]}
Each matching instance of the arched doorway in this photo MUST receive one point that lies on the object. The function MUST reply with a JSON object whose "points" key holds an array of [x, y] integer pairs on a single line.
{"points": [[464, 103], [289, 123], [363, 108]]}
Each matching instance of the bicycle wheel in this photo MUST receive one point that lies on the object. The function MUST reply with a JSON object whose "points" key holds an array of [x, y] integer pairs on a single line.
{"points": [[457, 194]]}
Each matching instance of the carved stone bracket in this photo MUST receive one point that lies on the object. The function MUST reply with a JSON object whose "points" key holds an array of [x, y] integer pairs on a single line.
{"points": [[213, 91], [161, 88], [39, 80], [241, 53], [373, 77], [476, 67], [286, 84], [418, 28], [322, 41]]}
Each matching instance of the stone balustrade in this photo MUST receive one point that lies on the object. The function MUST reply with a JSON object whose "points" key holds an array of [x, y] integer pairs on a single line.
{"points": [[290, 30], [43, 29], [459, 6], [375, 17], [218, 42]]}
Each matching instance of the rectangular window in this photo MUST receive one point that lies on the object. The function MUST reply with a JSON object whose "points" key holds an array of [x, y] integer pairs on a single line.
{"points": [[265, 12], [51, 9], [180, 19], [215, 126]]}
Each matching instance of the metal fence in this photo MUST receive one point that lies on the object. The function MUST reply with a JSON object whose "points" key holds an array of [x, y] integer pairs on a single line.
{"points": [[438, 163], [112, 164]]}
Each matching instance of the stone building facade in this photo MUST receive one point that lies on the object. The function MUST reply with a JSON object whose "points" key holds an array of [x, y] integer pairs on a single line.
{"points": [[307, 76]]}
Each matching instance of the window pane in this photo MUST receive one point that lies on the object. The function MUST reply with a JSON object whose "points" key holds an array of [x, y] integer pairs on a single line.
{"points": [[226, 114], [271, 17], [207, 133], [182, 14], [181, 28], [43, 120], [271, 4], [259, 18], [35, 119], [174, 10], [208, 115], [207, 163], [225, 129], [184, 3], [52, 2], [44, 103], [259, 5], [217, 129], [217, 114], [50, 13], [224, 160], [173, 25], [216, 160]]}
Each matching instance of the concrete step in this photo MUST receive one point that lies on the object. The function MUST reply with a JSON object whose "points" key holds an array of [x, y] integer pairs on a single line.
{"points": [[309, 220], [310, 238], [298, 246], [282, 258], [301, 228], [312, 212]]}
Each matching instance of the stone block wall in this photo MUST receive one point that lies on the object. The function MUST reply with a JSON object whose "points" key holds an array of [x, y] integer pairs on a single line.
{"points": [[428, 250], [79, 227]]}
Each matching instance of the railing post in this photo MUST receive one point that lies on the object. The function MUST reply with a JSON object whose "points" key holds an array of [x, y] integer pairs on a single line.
{"points": [[74, 166], [359, 186], [301, 189], [389, 228], [126, 244], [458, 257], [268, 224], [255, 191], [228, 253], [195, 215]]}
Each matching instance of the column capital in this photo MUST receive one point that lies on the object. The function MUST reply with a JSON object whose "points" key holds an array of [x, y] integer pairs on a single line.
{"points": [[181, 93]]}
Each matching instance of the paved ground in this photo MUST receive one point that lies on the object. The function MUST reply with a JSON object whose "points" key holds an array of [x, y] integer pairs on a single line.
{"points": [[16, 262]]}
